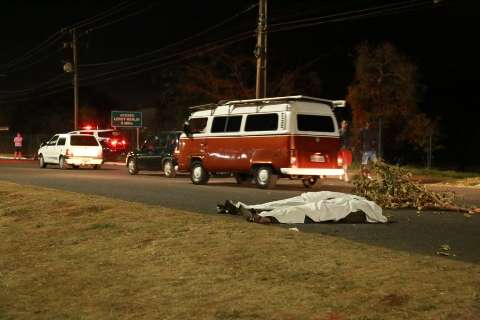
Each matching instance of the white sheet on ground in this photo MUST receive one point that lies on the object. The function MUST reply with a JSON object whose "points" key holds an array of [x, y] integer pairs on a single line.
{"points": [[319, 206]]}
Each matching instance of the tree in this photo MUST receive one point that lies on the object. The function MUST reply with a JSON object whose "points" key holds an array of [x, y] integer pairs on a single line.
{"points": [[386, 87], [218, 78], [221, 77], [226, 77]]}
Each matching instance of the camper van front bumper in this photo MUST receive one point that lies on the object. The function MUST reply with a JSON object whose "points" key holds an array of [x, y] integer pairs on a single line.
{"points": [[312, 172]]}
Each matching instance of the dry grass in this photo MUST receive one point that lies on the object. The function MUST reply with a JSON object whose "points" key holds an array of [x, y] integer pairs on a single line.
{"points": [[467, 182], [71, 256]]}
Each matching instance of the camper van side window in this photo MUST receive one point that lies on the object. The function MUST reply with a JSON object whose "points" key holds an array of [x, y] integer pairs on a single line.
{"points": [[198, 125], [308, 122], [262, 122], [233, 124], [226, 124], [218, 124]]}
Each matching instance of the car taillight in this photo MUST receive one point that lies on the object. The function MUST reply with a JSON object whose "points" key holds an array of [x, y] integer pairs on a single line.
{"points": [[293, 158], [124, 142], [113, 142], [339, 160], [69, 153]]}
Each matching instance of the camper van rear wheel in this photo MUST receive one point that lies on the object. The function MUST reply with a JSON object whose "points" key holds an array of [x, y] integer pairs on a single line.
{"points": [[265, 178], [309, 182], [198, 174]]}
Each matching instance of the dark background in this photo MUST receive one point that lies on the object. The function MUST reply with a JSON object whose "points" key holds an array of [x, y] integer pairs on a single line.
{"points": [[440, 39]]}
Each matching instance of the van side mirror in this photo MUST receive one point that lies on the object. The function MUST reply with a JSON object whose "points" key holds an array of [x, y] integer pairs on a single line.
{"points": [[187, 129]]}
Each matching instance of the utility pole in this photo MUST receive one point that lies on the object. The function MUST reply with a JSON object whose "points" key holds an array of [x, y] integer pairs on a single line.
{"points": [[75, 79], [261, 51]]}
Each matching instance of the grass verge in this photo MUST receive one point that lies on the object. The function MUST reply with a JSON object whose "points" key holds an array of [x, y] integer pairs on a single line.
{"points": [[72, 256]]}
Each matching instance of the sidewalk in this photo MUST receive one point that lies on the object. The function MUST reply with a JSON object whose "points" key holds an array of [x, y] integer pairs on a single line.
{"points": [[10, 157], [7, 157]]}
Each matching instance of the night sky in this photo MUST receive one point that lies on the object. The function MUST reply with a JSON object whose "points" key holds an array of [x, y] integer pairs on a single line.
{"points": [[440, 39]]}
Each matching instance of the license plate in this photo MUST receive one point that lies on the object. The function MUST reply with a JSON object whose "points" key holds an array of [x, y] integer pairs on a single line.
{"points": [[317, 158]]}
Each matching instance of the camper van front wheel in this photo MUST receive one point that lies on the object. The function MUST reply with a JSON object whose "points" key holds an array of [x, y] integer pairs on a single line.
{"points": [[198, 174], [265, 178]]}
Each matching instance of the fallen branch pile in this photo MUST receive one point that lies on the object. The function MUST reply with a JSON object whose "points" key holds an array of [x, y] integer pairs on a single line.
{"points": [[392, 187]]}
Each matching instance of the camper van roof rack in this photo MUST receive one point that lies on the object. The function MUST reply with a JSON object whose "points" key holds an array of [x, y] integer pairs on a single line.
{"points": [[264, 101], [207, 106], [332, 103]]}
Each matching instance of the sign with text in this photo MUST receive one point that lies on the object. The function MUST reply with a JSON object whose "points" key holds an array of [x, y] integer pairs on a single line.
{"points": [[129, 119]]}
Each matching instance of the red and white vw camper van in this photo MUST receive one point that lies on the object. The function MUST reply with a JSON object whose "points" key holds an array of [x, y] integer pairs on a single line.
{"points": [[262, 140]]}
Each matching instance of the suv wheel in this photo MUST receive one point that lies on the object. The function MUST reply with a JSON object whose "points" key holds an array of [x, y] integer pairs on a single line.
{"points": [[41, 162], [169, 169], [132, 166], [198, 174], [265, 178], [61, 163]]}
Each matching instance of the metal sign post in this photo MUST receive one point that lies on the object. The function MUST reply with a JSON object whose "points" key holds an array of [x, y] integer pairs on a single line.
{"points": [[138, 138]]}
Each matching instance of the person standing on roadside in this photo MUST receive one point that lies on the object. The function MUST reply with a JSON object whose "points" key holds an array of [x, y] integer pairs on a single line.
{"points": [[368, 142], [18, 143], [345, 148]]}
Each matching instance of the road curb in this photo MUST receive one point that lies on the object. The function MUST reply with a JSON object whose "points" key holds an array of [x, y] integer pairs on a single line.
{"points": [[114, 163]]}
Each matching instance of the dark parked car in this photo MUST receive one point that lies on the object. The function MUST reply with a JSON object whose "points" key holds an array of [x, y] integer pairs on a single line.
{"points": [[156, 154]]}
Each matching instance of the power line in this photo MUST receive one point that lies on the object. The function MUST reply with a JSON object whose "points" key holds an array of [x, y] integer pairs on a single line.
{"points": [[102, 15], [35, 88], [106, 24], [396, 8], [175, 44], [29, 54], [348, 12], [35, 62], [146, 66], [180, 57], [52, 39], [350, 15], [38, 95], [343, 18]]}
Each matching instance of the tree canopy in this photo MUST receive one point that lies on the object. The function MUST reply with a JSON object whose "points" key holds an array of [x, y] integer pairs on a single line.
{"points": [[386, 87]]}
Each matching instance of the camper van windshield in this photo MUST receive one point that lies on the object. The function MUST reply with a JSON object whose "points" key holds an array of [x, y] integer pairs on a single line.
{"points": [[308, 122]]}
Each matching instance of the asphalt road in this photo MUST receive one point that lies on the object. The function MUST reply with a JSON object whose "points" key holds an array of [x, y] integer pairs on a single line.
{"points": [[409, 231]]}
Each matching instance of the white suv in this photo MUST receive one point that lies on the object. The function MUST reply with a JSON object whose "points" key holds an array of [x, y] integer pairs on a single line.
{"points": [[71, 149], [114, 144]]}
